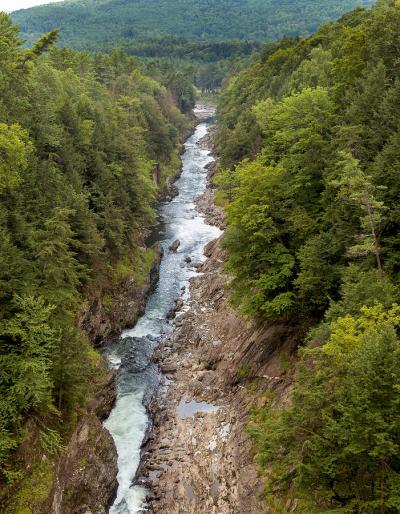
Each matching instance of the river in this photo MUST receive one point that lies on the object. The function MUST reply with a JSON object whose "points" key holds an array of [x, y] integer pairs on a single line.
{"points": [[138, 378]]}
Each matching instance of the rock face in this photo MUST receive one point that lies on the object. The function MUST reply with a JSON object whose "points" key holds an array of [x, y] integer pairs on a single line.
{"points": [[198, 456], [85, 476], [81, 478], [100, 322], [213, 215], [176, 308], [174, 246], [205, 203]]}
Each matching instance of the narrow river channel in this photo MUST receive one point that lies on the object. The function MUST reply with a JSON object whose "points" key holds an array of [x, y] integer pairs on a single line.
{"points": [[138, 377]]}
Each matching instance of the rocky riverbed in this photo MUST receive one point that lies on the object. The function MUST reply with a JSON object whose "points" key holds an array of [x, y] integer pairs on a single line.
{"points": [[183, 233], [197, 458], [196, 455]]}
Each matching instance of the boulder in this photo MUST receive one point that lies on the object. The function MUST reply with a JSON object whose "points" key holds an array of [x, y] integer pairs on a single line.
{"points": [[175, 245]]}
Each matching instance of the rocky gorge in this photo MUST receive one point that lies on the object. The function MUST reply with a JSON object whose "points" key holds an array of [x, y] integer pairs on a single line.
{"points": [[81, 477], [186, 377], [198, 457]]}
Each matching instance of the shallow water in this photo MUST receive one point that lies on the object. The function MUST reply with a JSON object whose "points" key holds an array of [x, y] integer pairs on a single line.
{"points": [[188, 408], [138, 378]]}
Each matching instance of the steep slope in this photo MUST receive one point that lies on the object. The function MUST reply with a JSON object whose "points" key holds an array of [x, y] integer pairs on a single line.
{"points": [[308, 139], [87, 143], [92, 24]]}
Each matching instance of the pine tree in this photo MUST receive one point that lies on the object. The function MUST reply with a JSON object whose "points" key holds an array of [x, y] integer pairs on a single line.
{"points": [[357, 187]]}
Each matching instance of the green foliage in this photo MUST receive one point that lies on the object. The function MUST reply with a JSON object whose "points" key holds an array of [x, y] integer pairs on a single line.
{"points": [[41, 46], [338, 443], [253, 216], [86, 143], [15, 148], [308, 138], [136, 266], [34, 489], [205, 40], [308, 141], [90, 24], [274, 207], [243, 371], [358, 188], [27, 346], [50, 441]]}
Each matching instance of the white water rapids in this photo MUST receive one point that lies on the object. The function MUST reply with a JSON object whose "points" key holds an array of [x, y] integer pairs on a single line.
{"points": [[128, 420]]}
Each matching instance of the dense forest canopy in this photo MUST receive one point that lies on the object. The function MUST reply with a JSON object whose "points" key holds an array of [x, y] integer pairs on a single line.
{"points": [[209, 35], [309, 142], [81, 136], [92, 24], [207, 63]]}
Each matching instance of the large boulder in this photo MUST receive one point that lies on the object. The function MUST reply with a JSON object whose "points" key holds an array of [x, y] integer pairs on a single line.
{"points": [[175, 245]]}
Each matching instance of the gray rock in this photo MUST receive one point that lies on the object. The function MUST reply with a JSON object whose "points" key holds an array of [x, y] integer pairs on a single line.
{"points": [[174, 246]]}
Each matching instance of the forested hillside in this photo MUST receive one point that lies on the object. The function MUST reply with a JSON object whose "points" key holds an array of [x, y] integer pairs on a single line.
{"points": [[81, 137], [93, 24], [209, 35], [308, 145], [309, 141]]}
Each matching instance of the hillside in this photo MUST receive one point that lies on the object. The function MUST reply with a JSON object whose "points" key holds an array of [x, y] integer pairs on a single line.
{"points": [[87, 142], [91, 24], [309, 145], [262, 376]]}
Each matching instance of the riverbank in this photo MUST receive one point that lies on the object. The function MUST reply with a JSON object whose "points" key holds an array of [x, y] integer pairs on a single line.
{"points": [[199, 456], [85, 475], [81, 475], [183, 234]]}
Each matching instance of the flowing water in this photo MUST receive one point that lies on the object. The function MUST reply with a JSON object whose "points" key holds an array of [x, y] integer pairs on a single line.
{"points": [[138, 378]]}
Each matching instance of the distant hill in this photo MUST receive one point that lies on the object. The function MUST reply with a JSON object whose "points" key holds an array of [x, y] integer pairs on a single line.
{"points": [[98, 24]]}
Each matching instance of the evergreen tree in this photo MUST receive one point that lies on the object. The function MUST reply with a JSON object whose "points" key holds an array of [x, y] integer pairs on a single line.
{"points": [[80, 136]]}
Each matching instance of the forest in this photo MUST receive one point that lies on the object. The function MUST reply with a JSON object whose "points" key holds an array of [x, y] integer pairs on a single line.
{"points": [[308, 148], [204, 38], [94, 25], [80, 138], [309, 142]]}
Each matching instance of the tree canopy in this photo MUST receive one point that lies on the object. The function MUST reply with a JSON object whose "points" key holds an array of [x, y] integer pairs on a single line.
{"points": [[91, 24], [81, 136], [206, 38], [308, 139]]}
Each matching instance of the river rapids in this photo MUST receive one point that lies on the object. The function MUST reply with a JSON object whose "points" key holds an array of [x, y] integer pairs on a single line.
{"points": [[138, 378]]}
